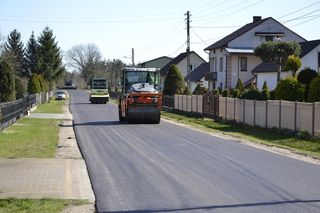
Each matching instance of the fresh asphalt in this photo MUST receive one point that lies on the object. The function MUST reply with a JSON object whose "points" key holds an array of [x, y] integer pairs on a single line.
{"points": [[169, 168]]}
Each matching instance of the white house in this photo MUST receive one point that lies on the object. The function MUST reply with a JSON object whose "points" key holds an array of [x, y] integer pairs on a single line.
{"points": [[199, 76], [310, 58], [181, 62], [233, 58]]}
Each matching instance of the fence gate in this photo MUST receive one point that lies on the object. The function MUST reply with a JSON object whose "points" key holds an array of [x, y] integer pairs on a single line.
{"points": [[210, 105]]}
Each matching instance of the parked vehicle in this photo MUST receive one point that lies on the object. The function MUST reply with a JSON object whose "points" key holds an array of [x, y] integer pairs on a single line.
{"points": [[140, 99], [99, 91], [60, 95]]}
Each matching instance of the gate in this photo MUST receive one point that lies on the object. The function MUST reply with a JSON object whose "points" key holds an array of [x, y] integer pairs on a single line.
{"points": [[210, 105]]}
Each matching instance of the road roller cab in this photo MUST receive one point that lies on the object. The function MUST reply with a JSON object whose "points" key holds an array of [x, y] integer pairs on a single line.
{"points": [[140, 99]]}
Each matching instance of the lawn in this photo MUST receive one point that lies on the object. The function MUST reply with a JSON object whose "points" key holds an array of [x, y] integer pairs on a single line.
{"points": [[30, 138], [36, 205], [272, 137], [54, 106]]}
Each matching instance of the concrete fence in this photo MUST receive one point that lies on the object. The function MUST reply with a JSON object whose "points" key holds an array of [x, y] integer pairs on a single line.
{"points": [[188, 103], [295, 116]]}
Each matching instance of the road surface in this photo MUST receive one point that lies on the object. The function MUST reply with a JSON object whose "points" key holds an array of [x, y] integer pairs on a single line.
{"points": [[169, 168]]}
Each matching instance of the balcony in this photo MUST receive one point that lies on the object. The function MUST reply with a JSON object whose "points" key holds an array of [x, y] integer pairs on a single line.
{"points": [[211, 76]]}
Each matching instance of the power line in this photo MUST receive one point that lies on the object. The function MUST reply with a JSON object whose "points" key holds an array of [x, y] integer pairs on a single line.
{"points": [[198, 36], [298, 10]]}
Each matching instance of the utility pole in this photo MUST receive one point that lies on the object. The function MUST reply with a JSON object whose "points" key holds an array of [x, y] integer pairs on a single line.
{"points": [[188, 47], [132, 57]]}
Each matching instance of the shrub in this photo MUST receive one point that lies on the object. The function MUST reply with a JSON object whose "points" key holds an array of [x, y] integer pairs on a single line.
{"points": [[265, 94], [240, 86], [226, 93], [174, 83], [20, 87], [187, 91], [44, 86], [216, 92], [34, 84], [290, 89], [235, 93], [293, 64], [199, 90], [314, 92], [305, 77], [251, 94], [273, 95]]}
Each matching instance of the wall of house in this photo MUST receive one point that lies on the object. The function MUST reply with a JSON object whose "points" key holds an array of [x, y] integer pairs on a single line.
{"points": [[194, 60], [252, 62], [270, 78], [221, 75], [250, 40], [311, 59]]}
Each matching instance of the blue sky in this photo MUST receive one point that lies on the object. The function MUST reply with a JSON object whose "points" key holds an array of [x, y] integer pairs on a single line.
{"points": [[153, 28]]}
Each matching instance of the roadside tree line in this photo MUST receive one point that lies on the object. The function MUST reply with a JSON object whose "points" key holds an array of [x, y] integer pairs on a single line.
{"points": [[34, 67]]}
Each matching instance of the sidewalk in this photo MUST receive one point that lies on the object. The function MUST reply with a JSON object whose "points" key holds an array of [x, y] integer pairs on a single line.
{"points": [[63, 177]]}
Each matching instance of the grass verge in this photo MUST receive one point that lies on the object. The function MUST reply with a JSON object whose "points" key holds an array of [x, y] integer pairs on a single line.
{"points": [[30, 138], [269, 137], [54, 106], [37, 205]]}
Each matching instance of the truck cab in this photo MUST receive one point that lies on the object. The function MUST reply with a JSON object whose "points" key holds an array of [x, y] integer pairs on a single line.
{"points": [[99, 91]]}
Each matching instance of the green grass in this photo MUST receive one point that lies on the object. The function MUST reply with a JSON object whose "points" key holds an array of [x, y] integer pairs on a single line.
{"points": [[55, 106], [37, 205], [30, 138], [271, 137]]}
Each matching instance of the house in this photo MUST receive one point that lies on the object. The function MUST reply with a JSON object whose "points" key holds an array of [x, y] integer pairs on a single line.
{"points": [[310, 57], [233, 58], [181, 62], [155, 63], [198, 76]]}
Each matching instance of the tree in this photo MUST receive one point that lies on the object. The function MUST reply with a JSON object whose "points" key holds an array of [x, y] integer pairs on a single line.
{"points": [[200, 90], [290, 89], [174, 83], [15, 54], [2, 43], [49, 58], [20, 86], [31, 55], [305, 77], [84, 58], [314, 93], [7, 82], [293, 64], [114, 69], [277, 52]]}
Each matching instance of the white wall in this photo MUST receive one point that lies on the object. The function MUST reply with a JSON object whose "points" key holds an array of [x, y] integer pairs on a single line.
{"points": [[194, 59], [311, 59], [270, 78], [221, 76], [250, 40]]}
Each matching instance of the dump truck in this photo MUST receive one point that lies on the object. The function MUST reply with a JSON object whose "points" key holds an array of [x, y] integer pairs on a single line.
{"points": [[99, 91], [140, 99]]}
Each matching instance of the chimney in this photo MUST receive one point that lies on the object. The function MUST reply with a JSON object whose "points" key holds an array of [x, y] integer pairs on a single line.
{"points": [[256, 18]]}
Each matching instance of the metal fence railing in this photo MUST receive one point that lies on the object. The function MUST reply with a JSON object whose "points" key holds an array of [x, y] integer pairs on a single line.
{"points": [[11, 111]]}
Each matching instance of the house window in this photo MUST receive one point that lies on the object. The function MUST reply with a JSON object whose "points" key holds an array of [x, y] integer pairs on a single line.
{"points": [[221, 86], [221, 64], [213, 85], [215, 64], [269, 38], [243, 64], [192, 67]]}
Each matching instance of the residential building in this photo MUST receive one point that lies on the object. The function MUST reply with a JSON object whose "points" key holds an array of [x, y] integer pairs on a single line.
{"points": [[233, 58], [181, 62], [155, 63], [310, 58], [199, 76]]}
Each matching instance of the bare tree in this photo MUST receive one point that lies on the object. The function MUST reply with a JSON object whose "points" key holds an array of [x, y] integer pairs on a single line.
{"points": [[84, 58], [2, 43]]}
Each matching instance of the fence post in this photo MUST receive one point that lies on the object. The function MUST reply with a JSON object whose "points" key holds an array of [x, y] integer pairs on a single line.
{"points": [[197, 103], [279, 114], [244, 111], [226, 108], [313, 117], [266, 113], [295, 116], [202, 107], [254, 112]]}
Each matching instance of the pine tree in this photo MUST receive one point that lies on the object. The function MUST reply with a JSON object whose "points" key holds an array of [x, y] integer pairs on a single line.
{"points": [[15, 52], [174, 83], [240, 86], [31, 55], [7, 82], [49, 58]]}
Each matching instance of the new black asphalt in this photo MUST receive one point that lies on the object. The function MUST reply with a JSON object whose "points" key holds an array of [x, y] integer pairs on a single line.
{"points": [[169, 168]]}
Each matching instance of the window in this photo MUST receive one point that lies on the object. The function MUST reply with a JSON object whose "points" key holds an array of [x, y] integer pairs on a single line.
{"points": [[269, 38], [243, 64], [215, 64], [192, 67], [213, 85], [221, 64], [221, 86]]}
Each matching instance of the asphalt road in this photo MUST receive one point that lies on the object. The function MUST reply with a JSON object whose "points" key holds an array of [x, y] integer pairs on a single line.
{"points": [[168, 168]]}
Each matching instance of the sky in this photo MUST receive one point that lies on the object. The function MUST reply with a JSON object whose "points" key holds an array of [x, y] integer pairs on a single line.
{"points": [[153, 28]]}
